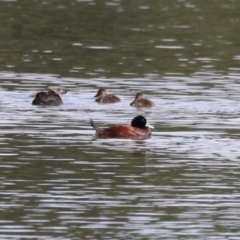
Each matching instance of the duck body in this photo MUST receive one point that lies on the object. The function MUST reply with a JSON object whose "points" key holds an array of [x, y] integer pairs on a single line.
{"points": [[140, 101], [137, 130], [102, 96], [49, 98]]}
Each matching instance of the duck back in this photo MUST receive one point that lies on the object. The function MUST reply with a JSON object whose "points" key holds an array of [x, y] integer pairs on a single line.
{"points": [[110, 98], [47, 98], [142, 103]]}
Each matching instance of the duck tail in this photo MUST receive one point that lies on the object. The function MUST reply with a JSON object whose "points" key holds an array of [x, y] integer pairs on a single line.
{"points": [[94, 125]]}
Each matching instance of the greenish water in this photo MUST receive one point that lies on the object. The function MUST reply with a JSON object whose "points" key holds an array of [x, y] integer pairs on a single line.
{"points": [[82, 38], [58, 181]]}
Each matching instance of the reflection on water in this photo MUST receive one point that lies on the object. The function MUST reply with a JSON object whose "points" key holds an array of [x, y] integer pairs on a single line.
{"points": [[58, 181]]}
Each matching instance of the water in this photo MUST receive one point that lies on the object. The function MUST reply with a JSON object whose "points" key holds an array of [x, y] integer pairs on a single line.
{"points": [[58, 181]]}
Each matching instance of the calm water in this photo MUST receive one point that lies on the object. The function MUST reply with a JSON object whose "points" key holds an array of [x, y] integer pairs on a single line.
{"points": [[58, 181]]}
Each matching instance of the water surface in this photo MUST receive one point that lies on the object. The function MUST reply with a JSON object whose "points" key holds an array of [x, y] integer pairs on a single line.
{"points": [[58, 181]]}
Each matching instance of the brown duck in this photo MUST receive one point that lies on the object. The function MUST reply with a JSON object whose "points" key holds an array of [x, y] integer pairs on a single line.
{"points": [[139, 129], [49, 98], [102, 96], [57, 90], [141, 102]]}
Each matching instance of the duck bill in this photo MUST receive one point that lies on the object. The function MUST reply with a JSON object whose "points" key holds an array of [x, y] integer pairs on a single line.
{"points": [[64, 91], [149, 126]]}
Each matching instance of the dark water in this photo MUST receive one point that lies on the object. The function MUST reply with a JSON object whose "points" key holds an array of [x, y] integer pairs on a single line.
{"points": [[58, 181]]}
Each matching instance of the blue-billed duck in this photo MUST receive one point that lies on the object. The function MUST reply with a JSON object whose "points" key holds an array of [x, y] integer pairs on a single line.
{"points": [[139, 129]]}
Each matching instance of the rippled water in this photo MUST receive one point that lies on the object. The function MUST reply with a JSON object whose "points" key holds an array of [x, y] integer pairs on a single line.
{"points": [[58, 181]]}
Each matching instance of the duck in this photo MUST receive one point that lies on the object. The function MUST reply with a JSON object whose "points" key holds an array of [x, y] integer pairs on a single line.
{"points": [[103, 96], [140, 101], [57, 90], [50, 98], [139, 129]]}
